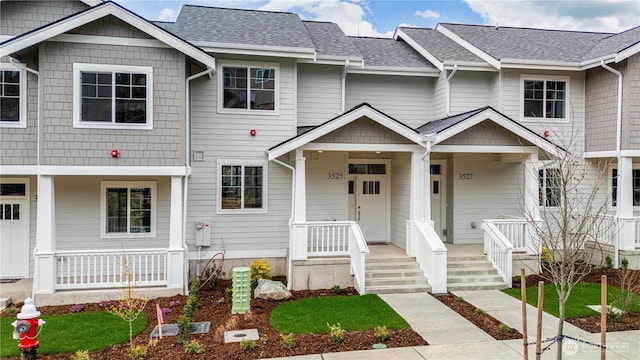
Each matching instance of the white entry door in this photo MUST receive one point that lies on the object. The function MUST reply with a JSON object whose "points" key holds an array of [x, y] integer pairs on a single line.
{"points": [[14, 231], [371, 206], [438, 199]]}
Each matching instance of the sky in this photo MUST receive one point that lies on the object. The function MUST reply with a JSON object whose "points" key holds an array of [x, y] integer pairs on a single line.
{"points": [[379, 18]]}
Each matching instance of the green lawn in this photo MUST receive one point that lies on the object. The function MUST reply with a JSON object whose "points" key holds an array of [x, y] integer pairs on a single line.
{"points": [[311, 315], [72, 332], [583, 294]]}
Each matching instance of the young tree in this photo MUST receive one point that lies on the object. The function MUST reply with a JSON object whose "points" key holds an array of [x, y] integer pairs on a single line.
{"points": [[572, 208]]}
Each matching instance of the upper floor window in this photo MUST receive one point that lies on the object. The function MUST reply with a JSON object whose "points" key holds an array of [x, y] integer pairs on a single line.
{"points": [[113, 96], [242, 186], [248, 87], [635, 181], [549, 193], [128, 208], [13, 97], [544, 98]]}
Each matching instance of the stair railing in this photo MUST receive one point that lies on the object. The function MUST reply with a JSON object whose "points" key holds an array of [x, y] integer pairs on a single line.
{"points": [[430, 254], [499, 250]]}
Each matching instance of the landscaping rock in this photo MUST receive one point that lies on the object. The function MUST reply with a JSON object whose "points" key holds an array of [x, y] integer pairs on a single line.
{"points": [[271, 290]]}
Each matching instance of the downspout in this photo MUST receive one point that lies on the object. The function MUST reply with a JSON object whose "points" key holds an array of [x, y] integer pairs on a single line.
{"points": [[448, 92], [293, 203], [343, 85], [36, 73], [618, 142], [187, 152]]}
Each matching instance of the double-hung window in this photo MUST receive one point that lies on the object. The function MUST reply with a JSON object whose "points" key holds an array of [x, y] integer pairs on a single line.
{"points": [[635, 180], [13, 97], [544, 98], [128, 208], [249, 87], [113, 96], [242, 187], [549, 187]]}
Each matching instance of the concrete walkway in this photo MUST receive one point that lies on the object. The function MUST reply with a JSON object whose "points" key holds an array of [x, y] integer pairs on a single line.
{"points": [[452, 337]]}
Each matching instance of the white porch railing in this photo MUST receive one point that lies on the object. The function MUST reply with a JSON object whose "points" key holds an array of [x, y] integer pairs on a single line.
{"points": [[106, 268], [499, 250], [624, 231], [430, 254], [608, 229], [332, 238]]}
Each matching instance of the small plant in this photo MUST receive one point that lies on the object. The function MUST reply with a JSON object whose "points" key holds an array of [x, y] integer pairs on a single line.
{"points": [[11, 311], [336, 332], [138, 352], [260, 269], [517, 279], [194, 287], [184, 327], [264, 339], [613, 315], [173, 303], [545, 255], [609, 262], [382, 333], [504, 327], [288, 341], [459, 298], [77, 308], [629, 286], [105, 303], [81, 355], [335, 289], [190, 307], [193, 347], [221, 300], [247, 345], [228, 292], [479, 311]]}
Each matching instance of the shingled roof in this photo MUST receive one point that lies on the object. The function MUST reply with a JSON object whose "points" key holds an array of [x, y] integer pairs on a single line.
{"points": [[615, 43], [329, 40], [440, 46], [389, 53]]}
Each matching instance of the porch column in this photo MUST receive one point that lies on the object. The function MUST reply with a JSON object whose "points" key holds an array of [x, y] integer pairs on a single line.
{"points": [[299, 239], [44, 254], [175, 251], [531, 200], [419, 201], [624, 206]]}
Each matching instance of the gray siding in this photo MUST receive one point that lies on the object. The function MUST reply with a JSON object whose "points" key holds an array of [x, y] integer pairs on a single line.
{"points": [[406, 99], [65, 145], [631, 104], [326, 198], [470, 90], [400, 197], [110, 26], [487, 133], [439, 97], [319, 93], [601, 94], [18, 146], [18, 17], [363, 131]]}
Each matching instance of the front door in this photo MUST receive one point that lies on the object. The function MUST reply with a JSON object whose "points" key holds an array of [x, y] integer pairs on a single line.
{"points": [[14, 230], [370, 206]]}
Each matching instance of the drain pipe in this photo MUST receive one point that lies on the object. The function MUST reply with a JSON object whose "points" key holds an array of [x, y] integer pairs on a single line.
{"points": [[343, 85], [37, 74], [293, 203], [618, 143], [187, 153], [453, 73]]}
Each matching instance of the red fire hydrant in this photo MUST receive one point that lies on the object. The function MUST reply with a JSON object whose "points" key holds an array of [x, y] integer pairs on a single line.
{"points": [[26, 329]]}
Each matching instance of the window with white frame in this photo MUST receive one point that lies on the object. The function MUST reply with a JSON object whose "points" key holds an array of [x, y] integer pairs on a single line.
{"points": [[549, 192], [544, 98], [242, 187], [248, 87], [128, 208], [635, 181], [113, 96], [13, 96]]}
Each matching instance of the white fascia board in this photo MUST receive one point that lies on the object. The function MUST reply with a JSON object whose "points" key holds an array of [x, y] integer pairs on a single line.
{"points": [[66, 25], [592, 63], [417, 47], [353, 62], [339, 122], [513, 149], [362, 147], [540, 65], [500, 120], [4, 38], [114, 170], [379, 70], [12, 170], [467, 45], [109, 40], [469, 66], [611, 154], [628, 52], [92, 3]]}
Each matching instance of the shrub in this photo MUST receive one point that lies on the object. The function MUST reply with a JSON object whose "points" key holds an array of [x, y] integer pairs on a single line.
{"points": [[612, 314], [629, 286], [260, 269], [545, 255], [228, 292], [264, 339], [190, 307], [479, 311], [609, 262], [138, 352], [288, 341], [246, 345], [335, 289], [77, 308], [184, 327], [194, 287], [82, 355], [459, 298], [336, 332], [382, 333], [193, 347], [504, 327]]}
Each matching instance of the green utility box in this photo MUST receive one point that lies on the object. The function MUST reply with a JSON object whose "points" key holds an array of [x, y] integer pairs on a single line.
{"points": [[241, 277]]}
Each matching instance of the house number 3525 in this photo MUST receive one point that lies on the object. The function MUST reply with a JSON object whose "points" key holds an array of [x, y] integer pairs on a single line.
{"points": [[465, 176], [335, 175]]}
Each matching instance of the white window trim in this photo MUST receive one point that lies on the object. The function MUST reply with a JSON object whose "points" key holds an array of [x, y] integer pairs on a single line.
{"points": [[77, 96], [103, 208], [243, 163], [567, 108], [23, 97], [544, 205], [635, 166], [248, 64]]}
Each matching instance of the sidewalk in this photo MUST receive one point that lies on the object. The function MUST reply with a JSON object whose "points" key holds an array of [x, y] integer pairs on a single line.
{"points": [[450, 336]]}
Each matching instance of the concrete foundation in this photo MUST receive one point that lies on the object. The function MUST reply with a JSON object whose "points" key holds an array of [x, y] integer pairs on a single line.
{"points": [[527, 262], [278, 266], [598, 253], [322, 273], [95, 296]]}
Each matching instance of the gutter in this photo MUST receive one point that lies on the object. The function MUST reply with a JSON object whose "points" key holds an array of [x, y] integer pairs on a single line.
{"points": [[293, 203], [448, 92], [343, 84], [618, 141]]}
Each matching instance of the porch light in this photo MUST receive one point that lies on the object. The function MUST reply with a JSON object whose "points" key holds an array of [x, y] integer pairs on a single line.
{"points": [[377, 152], [320, 151]]}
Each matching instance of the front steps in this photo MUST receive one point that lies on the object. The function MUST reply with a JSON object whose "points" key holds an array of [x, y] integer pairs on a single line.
{"points": [[392, 275], [472, 272]]}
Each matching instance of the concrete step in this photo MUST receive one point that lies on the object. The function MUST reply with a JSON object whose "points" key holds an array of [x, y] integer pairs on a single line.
{"points": [[4, 302], [391, 265], [466, 258], [397, 289], [473, 279], [395, 281], [396, 259], [392, 273], [485, 270], [467, 263], [477, 286]]}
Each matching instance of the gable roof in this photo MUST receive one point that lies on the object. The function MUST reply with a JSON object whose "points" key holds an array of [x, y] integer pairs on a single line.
{"points": [[390, 54], [74, 21], [329, 40], [617, 44]]}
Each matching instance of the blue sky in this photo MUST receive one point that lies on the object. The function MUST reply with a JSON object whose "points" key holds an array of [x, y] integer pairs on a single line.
{"points": [[381, 17]]}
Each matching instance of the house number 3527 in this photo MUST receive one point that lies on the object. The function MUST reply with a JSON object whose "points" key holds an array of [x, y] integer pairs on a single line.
{"points": [[465, 176]]}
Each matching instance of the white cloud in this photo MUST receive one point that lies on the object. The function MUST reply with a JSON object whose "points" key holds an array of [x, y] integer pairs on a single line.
{"points": [[349, 15], [583, 15], [428, 14], [167, 14]]}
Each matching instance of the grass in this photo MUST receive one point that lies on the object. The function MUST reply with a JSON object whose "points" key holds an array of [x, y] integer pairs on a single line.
{"points": [[71, 332], [583, 294], [311, 315]]}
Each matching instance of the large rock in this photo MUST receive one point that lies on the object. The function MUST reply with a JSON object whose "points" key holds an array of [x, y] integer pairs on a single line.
{"points": [[271, 290]]}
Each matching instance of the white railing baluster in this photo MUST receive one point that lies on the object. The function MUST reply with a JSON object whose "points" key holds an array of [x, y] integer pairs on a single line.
{"points": [[499, 249]]}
